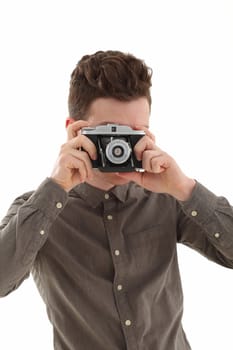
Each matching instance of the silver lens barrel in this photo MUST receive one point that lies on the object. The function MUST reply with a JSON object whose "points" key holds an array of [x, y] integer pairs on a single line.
{"points": [[118, 151]]}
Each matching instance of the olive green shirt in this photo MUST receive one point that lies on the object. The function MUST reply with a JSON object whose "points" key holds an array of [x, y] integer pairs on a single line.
{"points": [[105, 263]]}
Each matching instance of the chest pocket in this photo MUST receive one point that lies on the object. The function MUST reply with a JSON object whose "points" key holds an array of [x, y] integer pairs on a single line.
{"points": [[136, 239], [154, 240]]}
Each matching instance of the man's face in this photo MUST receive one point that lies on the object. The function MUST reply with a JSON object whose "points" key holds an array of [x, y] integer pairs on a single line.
{"points": [[108, 110]]}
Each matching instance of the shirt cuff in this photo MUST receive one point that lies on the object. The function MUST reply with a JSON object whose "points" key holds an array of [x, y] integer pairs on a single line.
{"points": [[201, 205], [49, 198]]}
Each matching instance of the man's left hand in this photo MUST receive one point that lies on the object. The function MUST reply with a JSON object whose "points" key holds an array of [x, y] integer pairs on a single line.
{"points": [[162, 174]]}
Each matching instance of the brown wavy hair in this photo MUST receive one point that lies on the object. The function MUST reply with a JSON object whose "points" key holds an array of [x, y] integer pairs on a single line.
{"points": [[107, 74]]}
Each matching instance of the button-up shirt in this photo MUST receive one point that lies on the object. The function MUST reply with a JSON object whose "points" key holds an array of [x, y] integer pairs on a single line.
{"points": [[105, 263]]}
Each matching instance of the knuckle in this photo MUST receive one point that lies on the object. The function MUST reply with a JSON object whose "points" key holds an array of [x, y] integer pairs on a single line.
{"points": [[63, 146], [62, 151], [75, 142], [63, 158], [80, 140], [62, 161], [82, 155], [84, 139]]}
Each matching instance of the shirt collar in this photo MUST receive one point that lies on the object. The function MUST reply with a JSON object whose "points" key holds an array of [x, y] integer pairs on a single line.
{"points": [[94, 196]]}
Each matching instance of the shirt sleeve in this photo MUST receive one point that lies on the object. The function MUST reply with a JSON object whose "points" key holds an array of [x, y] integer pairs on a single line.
{"points": [[25, 229], [205, 223]]}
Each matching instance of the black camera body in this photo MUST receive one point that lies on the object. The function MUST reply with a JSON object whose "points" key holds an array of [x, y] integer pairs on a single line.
{"points": [[114, 144]]}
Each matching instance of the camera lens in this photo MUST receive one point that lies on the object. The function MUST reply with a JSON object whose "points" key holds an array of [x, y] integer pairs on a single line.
{"points": [[118, 151]]}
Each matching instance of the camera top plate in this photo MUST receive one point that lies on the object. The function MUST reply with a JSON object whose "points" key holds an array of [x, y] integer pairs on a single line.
{"points": [[111, 129]]}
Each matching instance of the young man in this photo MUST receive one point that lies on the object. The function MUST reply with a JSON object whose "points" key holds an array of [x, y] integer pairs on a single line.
{"points": [[102, 246]]}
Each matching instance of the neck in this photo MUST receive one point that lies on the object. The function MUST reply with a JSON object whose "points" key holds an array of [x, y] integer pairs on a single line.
{"points": [[106, 181], [102, 185]]}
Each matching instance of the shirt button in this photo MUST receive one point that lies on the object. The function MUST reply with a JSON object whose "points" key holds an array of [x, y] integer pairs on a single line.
{"points": [[106, 196], [42, 232], [128, 323], [119, 287], [109, 217], [117, 252], [59, 205], [217, 235], [194, 213]]}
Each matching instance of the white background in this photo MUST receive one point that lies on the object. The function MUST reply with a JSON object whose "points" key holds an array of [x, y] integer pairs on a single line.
{"points": [[189, 45]]}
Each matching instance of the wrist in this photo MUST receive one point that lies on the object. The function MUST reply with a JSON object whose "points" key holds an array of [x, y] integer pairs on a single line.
{"points": [[59, 183], [185, 189]]}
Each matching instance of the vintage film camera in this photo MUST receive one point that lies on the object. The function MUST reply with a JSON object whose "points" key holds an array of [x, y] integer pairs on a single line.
{"points": [[114, 144]]}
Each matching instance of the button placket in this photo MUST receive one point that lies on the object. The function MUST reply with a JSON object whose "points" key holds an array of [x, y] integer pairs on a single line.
{"points": [[110, 218], [109, 207], [117, 252]]}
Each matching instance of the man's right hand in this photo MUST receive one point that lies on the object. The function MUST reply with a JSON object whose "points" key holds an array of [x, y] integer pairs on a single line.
{"points": [[73, 166]]}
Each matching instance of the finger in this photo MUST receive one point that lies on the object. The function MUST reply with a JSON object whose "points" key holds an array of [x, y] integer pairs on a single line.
{"points": [[82, 170], [147, 131], [74, 128], [81, 141], [78, 168], [147, 156], [156, 163], [83, 156], [145, 143]]}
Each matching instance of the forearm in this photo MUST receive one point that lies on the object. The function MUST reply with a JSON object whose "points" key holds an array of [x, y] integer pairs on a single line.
{"points": [[206, 224], [24, 231], [183, 191]]}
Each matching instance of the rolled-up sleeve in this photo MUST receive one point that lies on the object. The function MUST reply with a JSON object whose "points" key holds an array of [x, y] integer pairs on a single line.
{"points": [[205, 223], [25, 229]]}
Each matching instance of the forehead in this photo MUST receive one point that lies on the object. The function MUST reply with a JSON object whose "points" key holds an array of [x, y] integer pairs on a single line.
{"points": [[109, 110]]}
